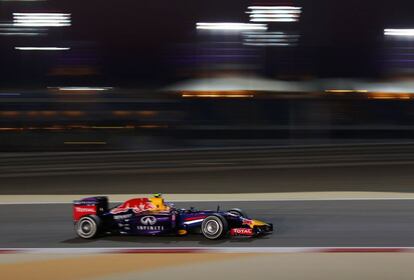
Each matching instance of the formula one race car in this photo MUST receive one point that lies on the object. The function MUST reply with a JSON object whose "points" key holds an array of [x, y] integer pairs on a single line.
{"points": [[152, 216]]}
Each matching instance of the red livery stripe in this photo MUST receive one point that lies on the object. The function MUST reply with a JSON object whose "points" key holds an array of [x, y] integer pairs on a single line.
{"points": [[195, 218]]}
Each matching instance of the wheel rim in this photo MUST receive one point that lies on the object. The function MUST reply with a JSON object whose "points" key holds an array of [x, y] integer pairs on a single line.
{"points": [[212, 227], [86, 228]]}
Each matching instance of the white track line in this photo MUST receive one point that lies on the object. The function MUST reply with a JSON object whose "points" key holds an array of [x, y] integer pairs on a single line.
{"points": [[218, 200], [234, 197]]}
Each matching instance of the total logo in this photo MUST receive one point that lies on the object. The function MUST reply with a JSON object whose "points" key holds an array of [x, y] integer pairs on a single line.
{"points": [[148, 220], [85, 210], [242, 231]]}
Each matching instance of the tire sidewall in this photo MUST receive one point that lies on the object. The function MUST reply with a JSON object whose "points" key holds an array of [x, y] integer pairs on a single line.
{"points": [[94, 222], [223, 227]]}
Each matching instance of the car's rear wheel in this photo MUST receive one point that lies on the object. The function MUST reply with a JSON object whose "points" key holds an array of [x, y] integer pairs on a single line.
{"points": [[214, 227], [88, 227]]}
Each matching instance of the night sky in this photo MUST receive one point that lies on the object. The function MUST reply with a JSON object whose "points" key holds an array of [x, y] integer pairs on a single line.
{"points": [[131, 41]]}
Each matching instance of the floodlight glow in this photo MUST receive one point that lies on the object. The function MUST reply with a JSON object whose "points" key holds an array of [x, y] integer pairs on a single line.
{"points": [[42, 24], [84, 88], [399, 32], [273, 16], [230, 26], [274, 13], [257, 36], [274, 8], [280, 12], [42, 48], [41, 19], [41, 14], [274, 20]]}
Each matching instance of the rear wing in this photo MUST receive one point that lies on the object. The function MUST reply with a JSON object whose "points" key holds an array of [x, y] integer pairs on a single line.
{"points": [[89, 206]]}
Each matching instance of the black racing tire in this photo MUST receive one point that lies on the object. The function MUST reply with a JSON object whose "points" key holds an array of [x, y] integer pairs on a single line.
{"points": [[238, 212], [214, 227], [88, 227]]}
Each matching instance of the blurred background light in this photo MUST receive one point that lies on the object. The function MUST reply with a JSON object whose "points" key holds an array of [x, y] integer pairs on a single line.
{"points": [[217, 94], [283, 8], [270, 38], [230, 26], [399, 32], [42, 19], [274, 13], [42, 48], [19, 34], [346, 91], [9, 29], [84, 88]]}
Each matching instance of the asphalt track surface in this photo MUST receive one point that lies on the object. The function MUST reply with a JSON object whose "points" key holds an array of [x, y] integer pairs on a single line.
{"points": [[370, 223]]}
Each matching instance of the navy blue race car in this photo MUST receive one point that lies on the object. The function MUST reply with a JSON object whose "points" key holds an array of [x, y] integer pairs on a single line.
{"points": [[152, 216]]}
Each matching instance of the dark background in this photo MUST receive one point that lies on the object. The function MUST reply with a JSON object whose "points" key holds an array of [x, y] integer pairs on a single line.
{"points": [[131, 42]]}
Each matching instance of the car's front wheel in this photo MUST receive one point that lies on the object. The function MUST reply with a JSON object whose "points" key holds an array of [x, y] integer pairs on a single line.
{"points": [[214, 227], [88, 227]]}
